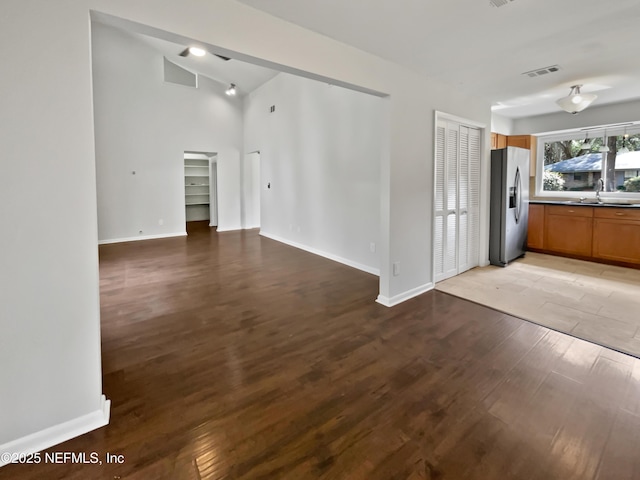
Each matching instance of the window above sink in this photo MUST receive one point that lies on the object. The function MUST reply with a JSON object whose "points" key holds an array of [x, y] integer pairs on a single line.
{"points": [[571, 163]]}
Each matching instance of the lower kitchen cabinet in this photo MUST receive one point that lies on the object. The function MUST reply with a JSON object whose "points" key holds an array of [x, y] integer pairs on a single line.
{"points": [[568, 230], [605, 234], [616, 235], [535, 230]]}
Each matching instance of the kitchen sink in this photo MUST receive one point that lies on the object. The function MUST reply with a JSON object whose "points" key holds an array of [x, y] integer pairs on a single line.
{"points": [[604, 203]]}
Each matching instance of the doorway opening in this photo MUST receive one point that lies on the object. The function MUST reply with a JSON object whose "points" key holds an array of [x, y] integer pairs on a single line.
{"points": [[200, 188]]}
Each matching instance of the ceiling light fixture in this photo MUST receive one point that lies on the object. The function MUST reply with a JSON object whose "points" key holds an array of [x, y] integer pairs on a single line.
{"points": [[231, 91], [197, 51], [576, 102]]}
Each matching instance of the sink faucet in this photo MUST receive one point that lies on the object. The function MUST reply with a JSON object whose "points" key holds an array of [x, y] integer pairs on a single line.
{"points": [[599, 188]]}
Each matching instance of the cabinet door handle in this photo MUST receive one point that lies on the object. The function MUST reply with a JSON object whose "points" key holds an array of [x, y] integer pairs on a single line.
{"points": [[619, 213], [571, 211]]}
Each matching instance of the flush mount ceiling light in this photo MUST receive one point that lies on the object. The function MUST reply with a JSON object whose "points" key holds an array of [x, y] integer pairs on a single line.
{"points": [[231, 91], [576, 102]]}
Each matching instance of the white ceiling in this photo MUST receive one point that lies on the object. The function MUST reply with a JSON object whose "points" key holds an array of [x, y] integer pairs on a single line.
{"points": [[484, 50], [246, 76]]}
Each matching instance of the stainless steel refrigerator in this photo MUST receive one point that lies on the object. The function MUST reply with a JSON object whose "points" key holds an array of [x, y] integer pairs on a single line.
{"points": [[509, 205]]}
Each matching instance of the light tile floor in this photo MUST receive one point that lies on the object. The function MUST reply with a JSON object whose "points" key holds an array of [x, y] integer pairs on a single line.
{"points": [[595, 302]]}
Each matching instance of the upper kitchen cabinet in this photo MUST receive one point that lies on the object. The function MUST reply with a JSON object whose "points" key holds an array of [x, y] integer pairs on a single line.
{"points": [[498, 141], [522, 141], [528, 142]]}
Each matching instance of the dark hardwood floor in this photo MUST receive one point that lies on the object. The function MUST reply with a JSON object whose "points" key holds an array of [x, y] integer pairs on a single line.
{"points": [[231, 356]]}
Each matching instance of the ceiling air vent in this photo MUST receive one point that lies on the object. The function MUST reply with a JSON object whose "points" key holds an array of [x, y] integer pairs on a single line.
{"points": [[542, 71], [499, 3]]}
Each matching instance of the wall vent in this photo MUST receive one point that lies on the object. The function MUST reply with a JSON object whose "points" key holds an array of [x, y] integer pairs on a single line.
{"points": [[542, 71], [499, 3]]}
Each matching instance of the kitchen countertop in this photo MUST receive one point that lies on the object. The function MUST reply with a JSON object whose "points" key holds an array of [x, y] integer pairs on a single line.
{"points": [[579, 204]]}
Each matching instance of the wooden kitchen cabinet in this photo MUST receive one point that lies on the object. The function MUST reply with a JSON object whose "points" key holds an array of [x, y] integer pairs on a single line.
{"points": [[503, 141], [568, 230], [522, 141], [535, 229], [534, 155], [498, 141], [616, 234], [602, 234]]}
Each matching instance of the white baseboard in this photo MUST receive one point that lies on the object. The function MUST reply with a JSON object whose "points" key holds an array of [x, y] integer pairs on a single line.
{"points": [[330, 256], [57, 434], [142, 237], [227, 229], [396, 299]]}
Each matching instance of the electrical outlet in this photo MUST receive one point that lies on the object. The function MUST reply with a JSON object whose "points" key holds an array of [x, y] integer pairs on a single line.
{"points": [[396, 269], [372, 247]]}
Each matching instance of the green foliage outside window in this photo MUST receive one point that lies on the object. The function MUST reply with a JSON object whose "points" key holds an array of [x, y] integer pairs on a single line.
{"points": [[552, 181], [632, 185]]}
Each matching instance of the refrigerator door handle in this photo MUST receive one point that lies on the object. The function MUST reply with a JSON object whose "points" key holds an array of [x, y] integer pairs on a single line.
{"points": [[518, 195]]}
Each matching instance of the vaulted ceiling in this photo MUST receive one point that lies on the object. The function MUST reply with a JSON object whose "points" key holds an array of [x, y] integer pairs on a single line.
{"points": [[485, 50], [246, 76]]}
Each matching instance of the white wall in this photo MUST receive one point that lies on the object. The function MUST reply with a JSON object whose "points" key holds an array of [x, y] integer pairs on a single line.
{"points": [[252, 190], [229, 189], [500, 124], [320, 151], [49, 304], [49, 311], [144, 125], [592, 116]]}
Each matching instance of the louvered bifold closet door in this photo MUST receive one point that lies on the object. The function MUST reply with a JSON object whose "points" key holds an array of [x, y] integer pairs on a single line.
{"points": [[451, 195], [446, 200], [473, 210], [463, 202], [439, 206], [457, 199]]}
